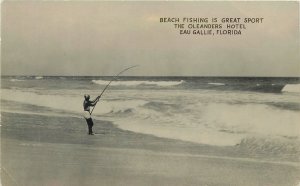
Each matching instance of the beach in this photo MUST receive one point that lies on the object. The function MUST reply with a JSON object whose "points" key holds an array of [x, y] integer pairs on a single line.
{"points": [[61, 153]]}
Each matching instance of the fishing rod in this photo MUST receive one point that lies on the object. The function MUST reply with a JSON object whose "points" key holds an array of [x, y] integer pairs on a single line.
{"points": [[115, 77]]}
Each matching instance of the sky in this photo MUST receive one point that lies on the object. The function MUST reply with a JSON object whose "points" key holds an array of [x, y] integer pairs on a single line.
{"points": [[102, 38]]}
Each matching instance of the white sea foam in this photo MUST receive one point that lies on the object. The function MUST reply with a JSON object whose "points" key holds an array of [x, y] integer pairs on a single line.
{"points": [[217, 84], [137, 83], [215, 124], [204, 118], [39, 77], [16, 80], [295, 88], [252, 119]]}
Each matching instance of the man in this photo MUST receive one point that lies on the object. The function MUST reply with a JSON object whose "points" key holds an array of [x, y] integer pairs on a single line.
{"points": [[87, 104]]}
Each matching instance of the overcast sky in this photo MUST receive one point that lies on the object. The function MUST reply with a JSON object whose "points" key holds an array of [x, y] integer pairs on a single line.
{"points": [[102, 38]]}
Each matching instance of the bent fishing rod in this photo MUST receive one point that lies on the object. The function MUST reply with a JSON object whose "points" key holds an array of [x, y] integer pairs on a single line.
{"points": [[115, 77]]}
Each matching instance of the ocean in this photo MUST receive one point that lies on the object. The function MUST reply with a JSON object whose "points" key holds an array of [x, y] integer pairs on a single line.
{"points": [[258, 115]]}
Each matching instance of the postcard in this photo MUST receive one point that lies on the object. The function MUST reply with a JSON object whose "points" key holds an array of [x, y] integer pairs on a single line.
{"points": [[144, 93]]}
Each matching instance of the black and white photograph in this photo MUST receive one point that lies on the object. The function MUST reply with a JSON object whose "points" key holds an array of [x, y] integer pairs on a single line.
{"points": [[150, 93]]}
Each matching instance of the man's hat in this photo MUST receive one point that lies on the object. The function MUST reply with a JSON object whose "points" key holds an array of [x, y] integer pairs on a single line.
{"points": [[86, 96]]}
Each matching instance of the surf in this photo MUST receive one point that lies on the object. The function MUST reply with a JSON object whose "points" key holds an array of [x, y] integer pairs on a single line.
{"points": [[139, 83], [294, 88], [201, 110]]}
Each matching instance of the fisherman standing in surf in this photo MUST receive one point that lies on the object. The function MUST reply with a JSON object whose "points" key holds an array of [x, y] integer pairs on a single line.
{"points": [[87, 104]]}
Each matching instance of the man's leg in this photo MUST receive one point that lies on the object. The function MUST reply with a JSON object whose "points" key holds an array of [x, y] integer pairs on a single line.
{"points": [[90, 126], [88, 122]]}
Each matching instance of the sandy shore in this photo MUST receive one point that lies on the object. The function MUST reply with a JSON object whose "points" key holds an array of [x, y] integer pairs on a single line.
{"points": [[51, 150]]}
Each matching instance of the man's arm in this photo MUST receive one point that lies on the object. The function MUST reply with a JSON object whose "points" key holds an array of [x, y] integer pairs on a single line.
{"points": [[95, 100]]}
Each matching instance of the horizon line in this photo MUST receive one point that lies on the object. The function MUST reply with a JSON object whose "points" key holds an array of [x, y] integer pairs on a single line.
{"points": [[153, 76]]}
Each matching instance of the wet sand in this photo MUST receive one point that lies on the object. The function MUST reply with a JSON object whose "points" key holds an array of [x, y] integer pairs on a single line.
{"points": [[52, 150]]}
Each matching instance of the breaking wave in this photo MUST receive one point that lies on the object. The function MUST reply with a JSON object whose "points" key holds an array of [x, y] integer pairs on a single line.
{"points": [[16, 80], [295, 88], [214, 123], [38, 77], [139, 83], [217, 84]]}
